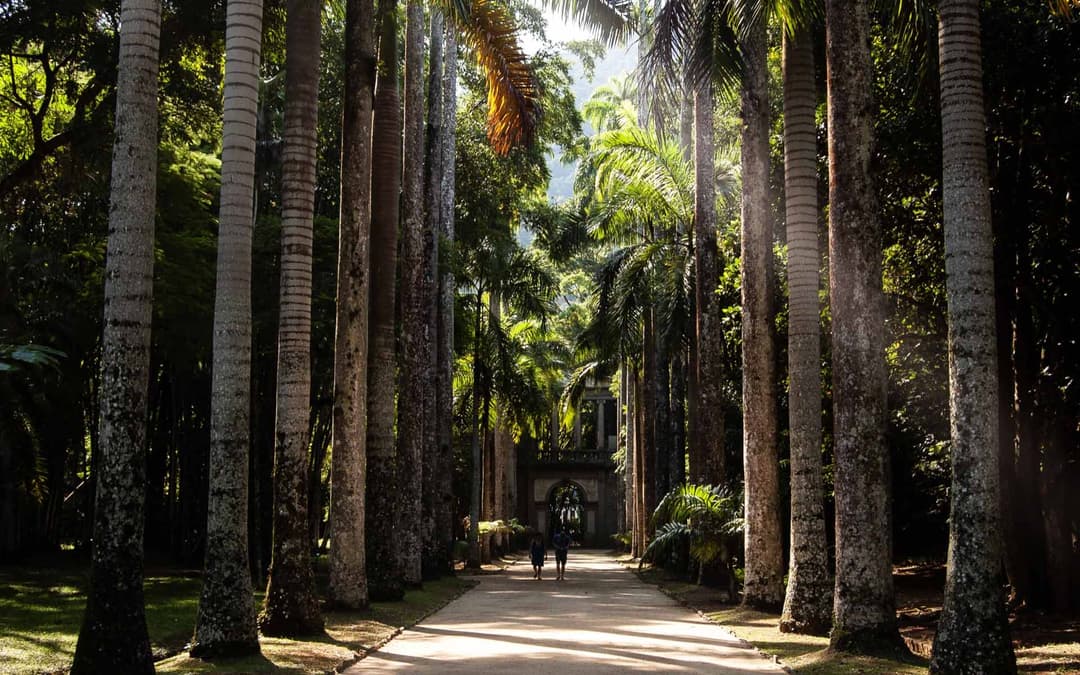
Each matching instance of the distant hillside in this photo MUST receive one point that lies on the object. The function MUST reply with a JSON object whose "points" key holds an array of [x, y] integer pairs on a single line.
{"points": [[615, 62]]}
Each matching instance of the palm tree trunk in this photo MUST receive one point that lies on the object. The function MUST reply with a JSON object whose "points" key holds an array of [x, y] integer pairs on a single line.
{"points": [[476, 493], [649, 425], [433, 556], [383, 542], [973, 633], [707, 462], [664, 441], [677, 461], [226, 618], [807, 607], [763, 549], [864, 613], [445, 350], [113, 636], [640, 514], [413, 385], [348, 565], [291, 607]]}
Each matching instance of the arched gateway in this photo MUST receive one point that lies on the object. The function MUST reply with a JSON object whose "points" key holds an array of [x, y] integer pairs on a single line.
{"points": [[576, 485]]}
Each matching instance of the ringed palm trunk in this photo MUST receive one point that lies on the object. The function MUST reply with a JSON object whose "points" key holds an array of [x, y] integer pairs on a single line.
{"points": [[226, 620], [113, 636], [291, 607], [973, 633], [385, 580], [445, 348], [807, 607], [707, 458], [764, 584], [414, 384], [864, 613], [348, 574]]}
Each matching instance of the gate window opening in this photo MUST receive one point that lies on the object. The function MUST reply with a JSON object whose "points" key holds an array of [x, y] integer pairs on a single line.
{"points": [[567, 510]]}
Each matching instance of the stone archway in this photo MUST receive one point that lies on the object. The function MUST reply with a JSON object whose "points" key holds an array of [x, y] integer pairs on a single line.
{"points": [[566, 502]]}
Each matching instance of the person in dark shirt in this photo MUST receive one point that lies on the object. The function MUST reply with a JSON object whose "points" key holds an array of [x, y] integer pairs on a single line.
{"points": [[561, 542], [538, 553]]}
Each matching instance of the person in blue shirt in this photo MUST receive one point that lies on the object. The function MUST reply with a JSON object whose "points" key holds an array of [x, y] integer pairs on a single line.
{"points": [[538, 553], [561, 542]]}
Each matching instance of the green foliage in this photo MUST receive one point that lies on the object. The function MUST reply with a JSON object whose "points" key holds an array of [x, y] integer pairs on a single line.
{"points": [[704, 516]]}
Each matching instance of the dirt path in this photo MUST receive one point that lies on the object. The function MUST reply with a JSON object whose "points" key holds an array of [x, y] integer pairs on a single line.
{"points": [[601, 619]]}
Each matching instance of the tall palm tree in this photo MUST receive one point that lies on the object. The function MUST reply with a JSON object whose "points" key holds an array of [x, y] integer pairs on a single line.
{"points": [[291, 607], [864, 607], [385, 580], [807, 604], [113, 637], [348, 573], [414, 385], [444, 357], [434, 546], [973, 634], [226, 618], [763, 586]]}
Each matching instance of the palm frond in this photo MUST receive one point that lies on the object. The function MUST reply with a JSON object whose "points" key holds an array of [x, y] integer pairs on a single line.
{"points": [[513, 95], [611, 21]]}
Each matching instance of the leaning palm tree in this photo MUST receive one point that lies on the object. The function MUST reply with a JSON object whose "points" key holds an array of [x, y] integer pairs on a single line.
{"points": [[973, 634], [291, 607], [226, 618], [113, 637]]}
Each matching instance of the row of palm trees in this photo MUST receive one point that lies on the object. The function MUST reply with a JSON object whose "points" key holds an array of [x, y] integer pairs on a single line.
{"points": [[372, 557], [687, 38]]}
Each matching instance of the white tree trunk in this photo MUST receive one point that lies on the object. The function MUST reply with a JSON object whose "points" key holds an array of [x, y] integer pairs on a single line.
{"points": [[113, 637], [973, 633], [226, 618]]}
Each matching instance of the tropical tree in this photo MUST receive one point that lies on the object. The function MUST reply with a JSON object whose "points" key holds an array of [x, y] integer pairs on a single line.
{"points": [[864, 606], [348, 573], [416, 377], [226, 617], [114, 637], [973, 634], [763, 549], [291, 607], [385, 580], [807, 603], [705, 517]]}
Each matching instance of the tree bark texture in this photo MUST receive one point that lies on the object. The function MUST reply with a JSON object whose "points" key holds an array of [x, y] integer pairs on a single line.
{"points": [[226, 620], [864, 615], [677, 462], [385, 579], [414, 382], [348, 586], [476, 491], [973, 633], [664, 442], [445, 345], [640, 515], [113, 636], [763, 587], [649, 425], [433, 560], [807, 606], [291, 607], [707, 460]]}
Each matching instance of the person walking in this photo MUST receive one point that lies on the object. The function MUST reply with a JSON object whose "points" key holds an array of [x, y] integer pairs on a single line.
{"points": [[561, 542], [538, 553]]}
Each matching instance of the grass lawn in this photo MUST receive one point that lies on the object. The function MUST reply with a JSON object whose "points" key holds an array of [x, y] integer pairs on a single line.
{"points": [[41, 607]]}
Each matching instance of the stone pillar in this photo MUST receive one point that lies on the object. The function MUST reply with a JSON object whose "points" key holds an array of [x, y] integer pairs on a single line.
{"points": [[601, 439]]}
